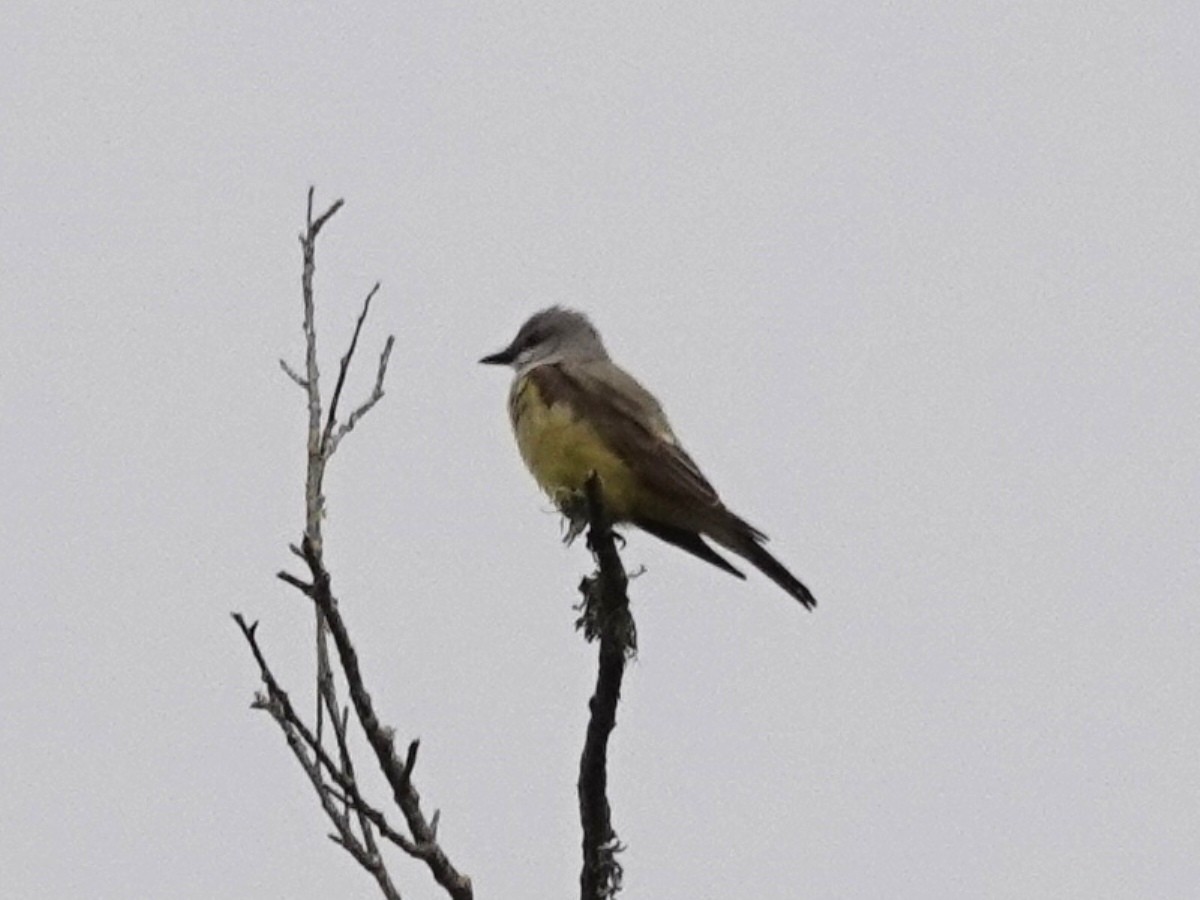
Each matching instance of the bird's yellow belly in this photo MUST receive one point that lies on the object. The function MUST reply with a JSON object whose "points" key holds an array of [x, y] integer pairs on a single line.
{"points": [[562, 450]]}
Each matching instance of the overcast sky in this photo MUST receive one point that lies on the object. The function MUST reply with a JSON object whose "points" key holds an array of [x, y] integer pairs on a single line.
{"points": [[917, 285]]}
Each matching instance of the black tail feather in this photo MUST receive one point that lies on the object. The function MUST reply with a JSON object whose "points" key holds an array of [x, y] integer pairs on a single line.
{"points": [[689, 541], [756, 554]]}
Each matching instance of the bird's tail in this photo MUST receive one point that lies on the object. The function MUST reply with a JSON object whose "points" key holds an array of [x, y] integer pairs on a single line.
{"points": [[747, 542]]}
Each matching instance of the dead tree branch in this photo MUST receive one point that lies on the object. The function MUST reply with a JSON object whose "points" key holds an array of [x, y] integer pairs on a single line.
{"points": [[605, 615], [317, 765], [332, 772]]}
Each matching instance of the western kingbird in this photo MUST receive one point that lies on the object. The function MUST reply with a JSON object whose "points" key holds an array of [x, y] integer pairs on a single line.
{"points": [[574, 412]]}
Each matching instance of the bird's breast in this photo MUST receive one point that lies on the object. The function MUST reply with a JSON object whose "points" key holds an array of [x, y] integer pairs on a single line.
{"points": [[561, 448]]}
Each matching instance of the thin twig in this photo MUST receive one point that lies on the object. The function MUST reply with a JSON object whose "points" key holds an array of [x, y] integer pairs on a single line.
{"points": [[292, 374], [302, 586], [315, 227], [365, 407], [347, 764], [343, 369]]}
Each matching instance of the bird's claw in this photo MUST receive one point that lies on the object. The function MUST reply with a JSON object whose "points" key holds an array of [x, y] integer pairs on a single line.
{"points": [[574, 508]]}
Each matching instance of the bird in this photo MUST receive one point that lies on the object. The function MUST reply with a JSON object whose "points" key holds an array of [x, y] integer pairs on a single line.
{"points": [[574, 412]]}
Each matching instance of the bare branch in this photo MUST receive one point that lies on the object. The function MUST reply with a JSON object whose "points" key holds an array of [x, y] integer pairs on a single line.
{"points": [[382, 740], [278, 697], [410, 759], [291, 373], [315, 227], [377, 819], [365, 407], [313, 498], [331, 418], [339, 720], [300, 740], [279, 705], [335, 779], [605, 615], [302, 586]]}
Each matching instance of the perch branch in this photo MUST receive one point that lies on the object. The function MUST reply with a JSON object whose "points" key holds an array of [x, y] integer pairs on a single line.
{"points": [[605, 616]]}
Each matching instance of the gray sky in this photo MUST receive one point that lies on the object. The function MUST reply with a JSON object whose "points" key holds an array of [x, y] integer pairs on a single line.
{"points": [[917, 286]]}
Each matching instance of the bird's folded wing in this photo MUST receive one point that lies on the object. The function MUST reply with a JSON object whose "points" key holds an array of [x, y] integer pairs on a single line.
{"points": [[631, 422]]}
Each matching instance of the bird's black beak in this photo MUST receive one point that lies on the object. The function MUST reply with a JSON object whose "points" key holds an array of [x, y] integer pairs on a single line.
{"points": [[503, 358]]}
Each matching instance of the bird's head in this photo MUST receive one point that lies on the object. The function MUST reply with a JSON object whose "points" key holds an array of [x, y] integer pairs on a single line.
{"points": [[549, 336]]}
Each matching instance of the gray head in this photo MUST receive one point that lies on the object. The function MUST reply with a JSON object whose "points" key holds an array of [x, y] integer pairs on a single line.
{"points": [[549, 336]]}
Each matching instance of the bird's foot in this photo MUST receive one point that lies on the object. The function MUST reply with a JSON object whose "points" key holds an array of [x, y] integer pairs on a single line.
{"points": [[574, 508], [576, 516]]}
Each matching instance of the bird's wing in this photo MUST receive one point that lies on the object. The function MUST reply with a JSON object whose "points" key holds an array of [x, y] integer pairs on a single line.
{"points": [[631, 422]]}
